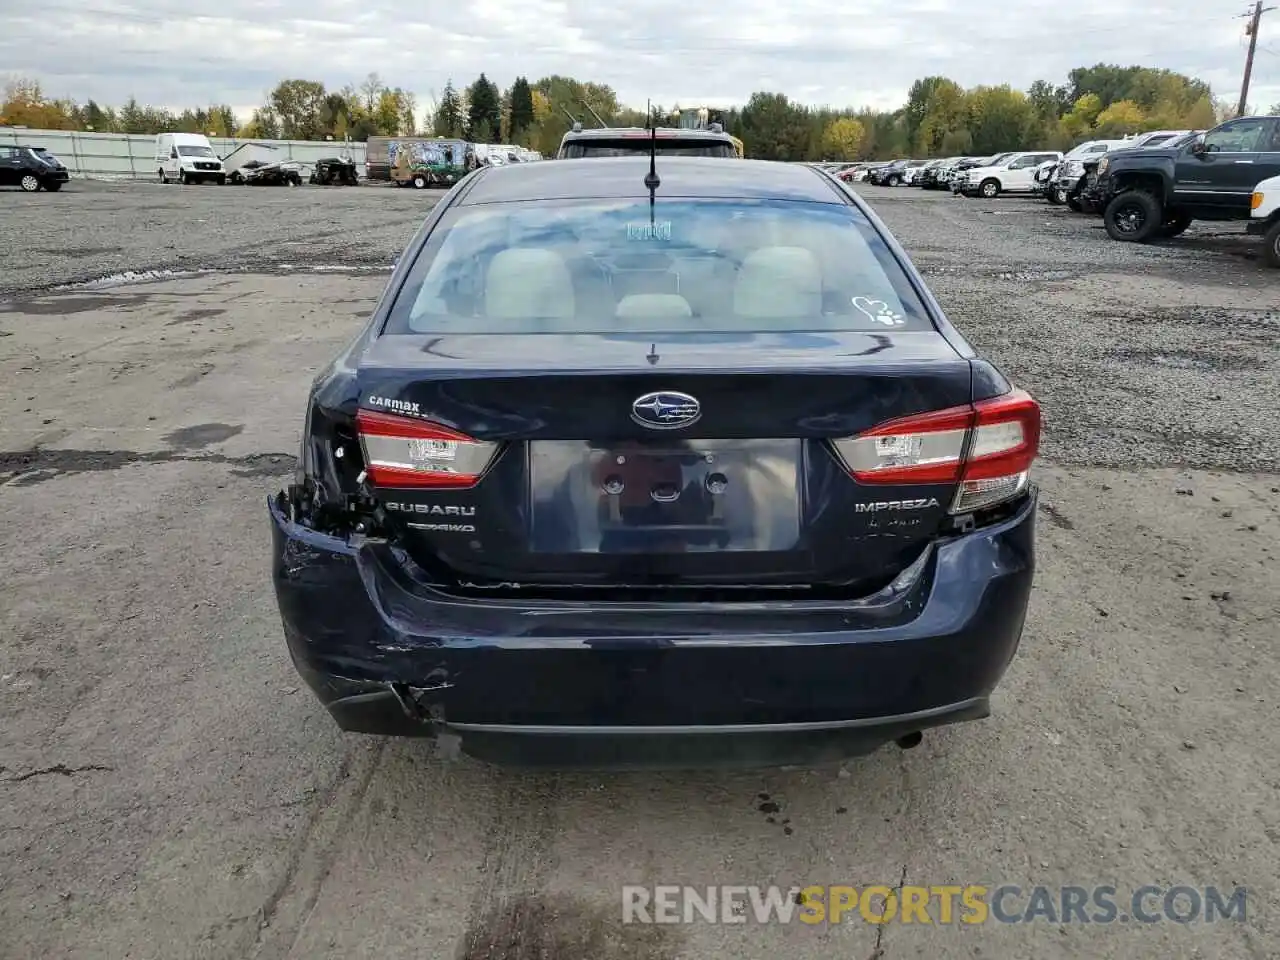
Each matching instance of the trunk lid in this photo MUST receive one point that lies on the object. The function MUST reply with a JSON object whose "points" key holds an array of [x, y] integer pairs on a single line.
{"points": [[582, 490]]}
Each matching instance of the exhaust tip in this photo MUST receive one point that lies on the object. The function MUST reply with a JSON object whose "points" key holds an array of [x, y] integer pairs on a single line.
{"points": [[909, 740]]}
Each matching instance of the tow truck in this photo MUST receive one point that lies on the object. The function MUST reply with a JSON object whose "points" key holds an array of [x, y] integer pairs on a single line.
{"points": [[690, 134]]}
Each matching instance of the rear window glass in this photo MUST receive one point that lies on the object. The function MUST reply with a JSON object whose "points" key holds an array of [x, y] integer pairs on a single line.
{"points": [[629, 147], [682, 266]]}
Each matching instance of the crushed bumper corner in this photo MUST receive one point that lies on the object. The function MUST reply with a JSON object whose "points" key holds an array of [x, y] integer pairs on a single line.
{"points": [[512, 688]]}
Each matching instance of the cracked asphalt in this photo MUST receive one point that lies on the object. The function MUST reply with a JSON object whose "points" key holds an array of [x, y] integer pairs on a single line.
{"points": [[168, 787]]}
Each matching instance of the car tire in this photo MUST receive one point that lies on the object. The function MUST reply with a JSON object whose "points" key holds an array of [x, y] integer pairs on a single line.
{"points": [[1271, 246], [182, 177], [222, 179], [419, 182], [29, 182], [989, 189], [1175, 225], [53, 186], [1135, 216], [895, 180], [163, 177], [1057, 196]]}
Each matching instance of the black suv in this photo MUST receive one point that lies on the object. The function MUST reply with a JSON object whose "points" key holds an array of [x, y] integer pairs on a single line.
{"points": [[31, 168], [1150, 194]]}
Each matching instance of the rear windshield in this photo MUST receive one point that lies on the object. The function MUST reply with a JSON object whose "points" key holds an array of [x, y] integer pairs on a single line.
{"points": [[629, 147], [684, 266]]}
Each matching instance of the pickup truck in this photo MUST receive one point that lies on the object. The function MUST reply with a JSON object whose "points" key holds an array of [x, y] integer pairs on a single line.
{"points": [[1014, 174], [1265, 218], [1151, 194]]}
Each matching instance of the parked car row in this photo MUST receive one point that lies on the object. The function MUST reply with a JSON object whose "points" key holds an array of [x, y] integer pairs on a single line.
{"points": [[1155, 187], [1066, 181], [1147, 187]]}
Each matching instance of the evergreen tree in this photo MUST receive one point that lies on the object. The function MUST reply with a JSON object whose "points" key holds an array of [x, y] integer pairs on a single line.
{"points": [[484, 111], [449, 120], [521, 107]]}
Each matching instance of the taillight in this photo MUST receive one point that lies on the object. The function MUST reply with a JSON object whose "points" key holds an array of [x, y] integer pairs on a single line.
{"points": [[1006, 439], [403, 451], [987, 448]]}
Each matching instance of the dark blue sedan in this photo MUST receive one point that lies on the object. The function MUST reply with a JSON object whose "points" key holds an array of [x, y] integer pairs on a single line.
{"points": [[678, 470]]}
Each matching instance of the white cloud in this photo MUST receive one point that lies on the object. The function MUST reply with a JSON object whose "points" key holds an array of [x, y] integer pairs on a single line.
{"points": [[175, 54]]}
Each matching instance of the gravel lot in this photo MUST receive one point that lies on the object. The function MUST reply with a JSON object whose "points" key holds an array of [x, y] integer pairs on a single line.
{"points": [[171, 790]]}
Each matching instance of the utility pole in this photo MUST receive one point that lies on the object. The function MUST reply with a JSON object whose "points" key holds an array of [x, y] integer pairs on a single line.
{"points": [[1252, 31]]}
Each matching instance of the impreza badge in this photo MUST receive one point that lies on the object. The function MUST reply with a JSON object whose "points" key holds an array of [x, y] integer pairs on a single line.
{"points": [[879, 505]]}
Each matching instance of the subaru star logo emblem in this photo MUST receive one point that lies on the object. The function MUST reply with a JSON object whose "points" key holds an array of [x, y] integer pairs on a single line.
{"points": [[665, 410]]}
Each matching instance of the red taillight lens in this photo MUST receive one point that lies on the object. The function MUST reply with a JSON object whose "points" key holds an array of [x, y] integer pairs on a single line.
{"points": [[403, 451], [987, 448]]}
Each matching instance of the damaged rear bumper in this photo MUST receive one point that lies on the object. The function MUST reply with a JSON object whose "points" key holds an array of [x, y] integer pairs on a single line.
{"points": [[623, 684]]}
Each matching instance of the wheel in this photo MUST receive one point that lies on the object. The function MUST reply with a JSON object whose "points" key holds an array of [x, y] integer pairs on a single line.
{"points": [[1056, 195], [29, 182], [419, 182], [236, 178], [1133, 217], [989, 189], [222, 179], [1271, 246], [53, 186], [1174, 225], [895, 180], [182, 177], [163, 176]]}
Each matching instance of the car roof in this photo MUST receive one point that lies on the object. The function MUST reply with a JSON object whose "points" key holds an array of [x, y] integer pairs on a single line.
{"points": [[623, 177], [610, 133]]}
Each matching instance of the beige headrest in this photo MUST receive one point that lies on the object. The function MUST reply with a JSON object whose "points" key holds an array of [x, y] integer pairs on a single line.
{"points": [[650, 305], [529, 282], [779, 282]]}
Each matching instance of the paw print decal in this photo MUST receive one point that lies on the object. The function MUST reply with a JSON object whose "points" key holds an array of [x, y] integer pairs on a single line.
{"points": [[879, 312]]}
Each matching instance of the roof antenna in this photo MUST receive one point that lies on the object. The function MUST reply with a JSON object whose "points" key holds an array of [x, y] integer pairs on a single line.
{"points": [[577, 124], [651, 179], [583, 101]]}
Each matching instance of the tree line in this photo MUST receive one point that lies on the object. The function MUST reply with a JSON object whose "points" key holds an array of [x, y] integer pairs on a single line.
{"points": [[940, 117]]}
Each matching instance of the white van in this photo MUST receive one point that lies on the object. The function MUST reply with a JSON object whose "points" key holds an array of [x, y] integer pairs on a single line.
{"points": [[187, 158]]}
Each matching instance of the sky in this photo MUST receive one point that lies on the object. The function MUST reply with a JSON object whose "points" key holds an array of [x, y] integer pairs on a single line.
{"points": [[196, 52]]}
